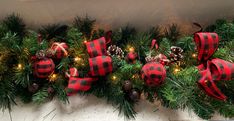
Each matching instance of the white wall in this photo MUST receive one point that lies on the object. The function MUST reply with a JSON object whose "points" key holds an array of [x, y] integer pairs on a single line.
{"points": [[115, 13]]}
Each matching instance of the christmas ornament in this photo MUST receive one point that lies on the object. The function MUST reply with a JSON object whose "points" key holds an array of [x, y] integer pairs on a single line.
{"points": [[73, 72], [127, 86], [60, 50], [114, 50], [176, 54], [100, 65], [50, 90], [211, 70], [33, 88], [131, 57], [43, 68], [153, 74], [40, 54], [79, 84], [134, 95]]}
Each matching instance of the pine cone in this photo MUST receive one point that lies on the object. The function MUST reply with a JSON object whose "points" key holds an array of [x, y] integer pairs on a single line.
{"points": [[150, 59], [176, 50], [114, 50], [40, 54], [176, 54]]}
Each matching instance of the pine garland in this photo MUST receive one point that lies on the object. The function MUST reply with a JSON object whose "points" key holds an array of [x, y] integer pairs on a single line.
{"points": [[180, 90]]}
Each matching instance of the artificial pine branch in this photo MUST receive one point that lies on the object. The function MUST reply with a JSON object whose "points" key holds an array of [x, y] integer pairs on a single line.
{"points": [[173, 32], [22, 75], [155, 33], [56, 31], [179, 91], [40, 96], [15, 24], [84, 25]]}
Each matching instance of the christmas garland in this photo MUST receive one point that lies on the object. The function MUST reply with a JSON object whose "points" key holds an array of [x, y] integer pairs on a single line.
{"points": [[123, 66]]}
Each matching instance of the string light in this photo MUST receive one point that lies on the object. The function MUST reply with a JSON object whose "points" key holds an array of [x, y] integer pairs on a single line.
{"points": [[20, 66], [77, 59], [53, 77], [114, 77], [131, 49], [85, 41], [194, 55], [135, 76], [176, 70]]}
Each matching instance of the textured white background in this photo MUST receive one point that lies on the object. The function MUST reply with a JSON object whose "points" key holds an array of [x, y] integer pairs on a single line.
{"points": [[111, 14], [94, 109]]}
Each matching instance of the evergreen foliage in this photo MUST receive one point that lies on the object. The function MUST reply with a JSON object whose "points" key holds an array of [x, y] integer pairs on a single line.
{"points": [[180, 90]]}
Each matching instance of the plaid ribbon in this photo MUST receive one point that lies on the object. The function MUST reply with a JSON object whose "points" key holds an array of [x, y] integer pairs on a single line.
{"points": [[76, 84], [100, 65], [43, 68], [60, 49], [153, 74], [207, 44], [211, 70], [96, 47]]}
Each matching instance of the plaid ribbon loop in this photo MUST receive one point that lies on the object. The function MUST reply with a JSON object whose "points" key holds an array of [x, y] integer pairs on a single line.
{"points": [[100, 65], [211, 70], [96, 47], [76, 84]]}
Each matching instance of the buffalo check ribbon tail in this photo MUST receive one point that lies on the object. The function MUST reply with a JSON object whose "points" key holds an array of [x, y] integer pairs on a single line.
{"points": [[211, 70]]}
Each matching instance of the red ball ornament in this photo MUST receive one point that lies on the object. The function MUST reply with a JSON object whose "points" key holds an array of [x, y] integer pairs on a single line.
{"points": [[131, 57], [60, 49], [43, 68], [153, 74]]}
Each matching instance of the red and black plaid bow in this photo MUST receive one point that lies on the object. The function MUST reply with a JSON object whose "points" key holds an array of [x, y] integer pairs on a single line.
{"points": [[100, 64], [214, 69]]}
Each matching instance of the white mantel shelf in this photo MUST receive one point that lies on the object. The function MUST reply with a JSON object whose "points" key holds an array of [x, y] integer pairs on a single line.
{"points": [[91, 108]]}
